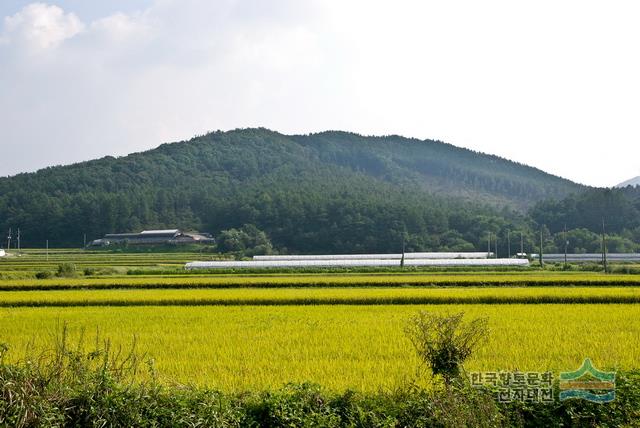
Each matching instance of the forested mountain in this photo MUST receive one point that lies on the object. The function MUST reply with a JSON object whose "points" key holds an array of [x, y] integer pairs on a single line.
{"points": [[332, 191], [631, 182]]}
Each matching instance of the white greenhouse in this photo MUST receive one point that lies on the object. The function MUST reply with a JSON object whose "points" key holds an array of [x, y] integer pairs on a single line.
{"points": [[589, 257], [256, 264]]}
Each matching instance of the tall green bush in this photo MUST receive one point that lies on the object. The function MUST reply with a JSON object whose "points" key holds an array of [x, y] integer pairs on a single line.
{"points": [[444, 342]]}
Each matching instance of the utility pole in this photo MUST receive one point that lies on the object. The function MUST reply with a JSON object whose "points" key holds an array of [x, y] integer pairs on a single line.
{"points": [[541, 249], [521, 242], [402, 259], [496, 246], [9, 240], [18, 239], [489, 246], [85, 241], [566, 244], [508, 243], [604, 247]]}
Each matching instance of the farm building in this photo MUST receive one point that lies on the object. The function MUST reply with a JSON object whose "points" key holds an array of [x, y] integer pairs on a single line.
{"points": [[2, 253], [154, 237]]}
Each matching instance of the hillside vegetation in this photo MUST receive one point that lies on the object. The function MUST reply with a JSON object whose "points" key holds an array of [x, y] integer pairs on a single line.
{"points": [[585, 214], [326, 192]]}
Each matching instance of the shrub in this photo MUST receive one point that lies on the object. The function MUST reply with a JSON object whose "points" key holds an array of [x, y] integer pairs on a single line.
{"points": [[66, 270], [444, 342], [44, 274]]}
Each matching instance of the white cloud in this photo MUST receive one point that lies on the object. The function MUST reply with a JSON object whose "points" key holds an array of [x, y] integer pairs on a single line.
{"points": [[41, 26], [544, 84], [121, 28]]}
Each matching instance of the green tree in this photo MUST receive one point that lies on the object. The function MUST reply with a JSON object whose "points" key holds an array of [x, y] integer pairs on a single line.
{"points": [[248, 240]]}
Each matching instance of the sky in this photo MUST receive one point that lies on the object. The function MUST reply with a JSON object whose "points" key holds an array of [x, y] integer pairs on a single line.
{"points": [[552, 84]]}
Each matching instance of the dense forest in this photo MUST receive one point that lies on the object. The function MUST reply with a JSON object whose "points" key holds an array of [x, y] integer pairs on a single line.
{"points": [[585, 215], [326, 192]]}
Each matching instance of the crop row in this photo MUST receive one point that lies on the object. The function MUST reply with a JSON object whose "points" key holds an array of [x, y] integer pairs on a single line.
{"points": [[321, 296], [283, 281]]}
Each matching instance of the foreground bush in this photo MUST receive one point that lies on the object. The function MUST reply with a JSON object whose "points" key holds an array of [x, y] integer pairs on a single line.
{"points": [[444, 342]]}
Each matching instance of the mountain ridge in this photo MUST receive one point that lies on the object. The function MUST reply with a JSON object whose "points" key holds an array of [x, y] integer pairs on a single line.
{"points": [[321, 133], [280, 183], [631, 182]]}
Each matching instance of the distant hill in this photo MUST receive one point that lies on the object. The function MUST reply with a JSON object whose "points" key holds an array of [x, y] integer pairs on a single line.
{"points": [[331, 191], [632, 182]]}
